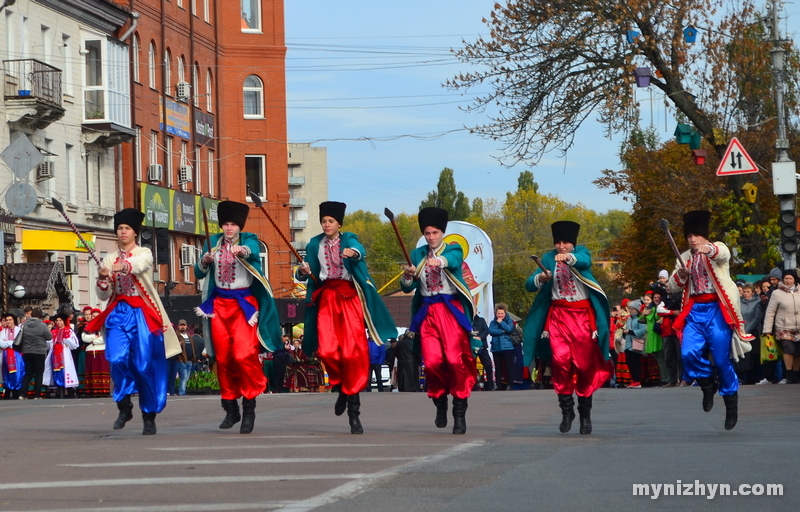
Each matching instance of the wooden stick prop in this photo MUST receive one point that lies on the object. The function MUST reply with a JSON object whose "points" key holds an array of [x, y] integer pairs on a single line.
{"points": [[536, 259], [257, 201], [205, 222], [390, 215], [665, 227], [60, 208]]}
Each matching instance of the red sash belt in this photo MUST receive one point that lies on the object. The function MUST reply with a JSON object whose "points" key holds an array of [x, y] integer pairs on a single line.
{"points": [[151, 316], [705, 298], [580, 304]]}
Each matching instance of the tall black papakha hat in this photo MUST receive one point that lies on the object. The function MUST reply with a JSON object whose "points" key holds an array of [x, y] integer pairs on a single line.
{"points": [[130, 217], [696, 222], [565, 231], [431, 216], [231, 211], [333, 209]]}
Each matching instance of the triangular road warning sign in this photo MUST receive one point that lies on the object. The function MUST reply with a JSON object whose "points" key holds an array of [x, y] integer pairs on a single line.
{"points": [[736, 160]]}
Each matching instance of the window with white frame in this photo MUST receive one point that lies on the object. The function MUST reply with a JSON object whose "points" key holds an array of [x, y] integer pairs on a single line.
{"points": [[168, 166], [198, 181], [211, 173], [263, 255], [151, 65], [254, 174], [137, 141], [180, 4], [183, 160], [251, 15], [69, 153], [194, 7], [94, 99], [10, 33], [135, 57], [206, 11], [209, 103], [168, 71], [195, 88], [153, 148], [181, 69], [67, 81], [253, 97], [106, 80]]}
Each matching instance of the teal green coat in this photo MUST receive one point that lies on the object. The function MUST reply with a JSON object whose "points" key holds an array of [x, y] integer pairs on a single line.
{"points": [[376, 316], [454, 255], [269, 326], [534, 345]]}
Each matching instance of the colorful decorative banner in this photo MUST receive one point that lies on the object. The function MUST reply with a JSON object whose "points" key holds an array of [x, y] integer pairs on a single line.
{"points": [[177, 118], [177, 211], [478, 265]]}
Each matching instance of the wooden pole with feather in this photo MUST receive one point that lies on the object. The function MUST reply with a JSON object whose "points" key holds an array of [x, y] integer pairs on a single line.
{"points": [[60, 207], [390, 215], [259, 203]]}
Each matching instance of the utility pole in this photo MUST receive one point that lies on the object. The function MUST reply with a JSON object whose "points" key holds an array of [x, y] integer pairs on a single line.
{"points": [[784, 178]]}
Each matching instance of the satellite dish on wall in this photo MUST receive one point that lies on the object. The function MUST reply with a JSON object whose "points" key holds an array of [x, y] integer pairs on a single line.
{"points": [[21, 198]]}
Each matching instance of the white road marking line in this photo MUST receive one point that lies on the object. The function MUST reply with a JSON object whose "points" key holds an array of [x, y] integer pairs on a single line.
{"points": [[232, 461], [278, 446], [176, 480], [268, 505], [356, 487]]}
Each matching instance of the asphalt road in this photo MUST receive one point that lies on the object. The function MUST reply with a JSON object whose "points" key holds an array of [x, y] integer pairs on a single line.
{"points": [[62, 455]]}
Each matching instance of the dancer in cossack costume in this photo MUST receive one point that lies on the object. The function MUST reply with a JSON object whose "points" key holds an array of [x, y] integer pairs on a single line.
{"points": [[238, 300], [568, 324], [59, 367], [135, 325], [339, 309], [13, 364], [710, 318], [442, 312]]}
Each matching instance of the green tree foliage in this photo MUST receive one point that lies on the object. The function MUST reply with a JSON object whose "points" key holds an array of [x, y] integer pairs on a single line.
{"points": [[447, 197]]}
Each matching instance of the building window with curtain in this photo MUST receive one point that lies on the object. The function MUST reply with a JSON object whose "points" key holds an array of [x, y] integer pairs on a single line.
{"points": [[151, 65], [209, 102], [253, 97], [254, 174], [135, 58], [251, 15]]}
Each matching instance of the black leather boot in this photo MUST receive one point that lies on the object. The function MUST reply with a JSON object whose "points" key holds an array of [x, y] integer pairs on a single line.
{"points": [[585, 412], [232, 417], [709, 388], [567, 404], [791, 377], [340, 405], [731, 410], [441, 411], [125, 412], [248, 415], [459, 415], [353, 412], [149, 419]]}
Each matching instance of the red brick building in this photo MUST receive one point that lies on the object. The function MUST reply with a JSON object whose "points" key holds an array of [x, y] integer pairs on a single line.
{"points": [[209, 109]]}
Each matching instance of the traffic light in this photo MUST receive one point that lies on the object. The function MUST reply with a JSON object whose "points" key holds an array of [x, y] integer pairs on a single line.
{"points": [[162, 246], [789, 230]]}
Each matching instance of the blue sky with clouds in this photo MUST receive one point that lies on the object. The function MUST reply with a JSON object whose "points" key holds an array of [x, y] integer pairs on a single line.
{"points": [[364, 79]]}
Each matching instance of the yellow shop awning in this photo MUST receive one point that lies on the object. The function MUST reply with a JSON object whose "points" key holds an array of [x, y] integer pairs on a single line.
{"points": [[47, 240]]}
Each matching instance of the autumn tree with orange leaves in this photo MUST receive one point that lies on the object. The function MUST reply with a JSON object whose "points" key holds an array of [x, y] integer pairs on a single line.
{"points": [[551, 64]]}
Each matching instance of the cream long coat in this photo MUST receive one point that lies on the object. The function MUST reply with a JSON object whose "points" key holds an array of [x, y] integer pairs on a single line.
{"points": [[141, 261]]}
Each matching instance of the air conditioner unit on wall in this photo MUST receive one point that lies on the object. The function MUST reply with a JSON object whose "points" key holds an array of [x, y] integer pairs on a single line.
{"points": [[183, 91], [155, 172], [185, 174], [45, 170], [188, 255], [71, 264]]}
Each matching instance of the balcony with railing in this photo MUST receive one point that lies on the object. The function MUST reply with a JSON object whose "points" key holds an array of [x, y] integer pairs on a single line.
{"points": [[32, 92]]}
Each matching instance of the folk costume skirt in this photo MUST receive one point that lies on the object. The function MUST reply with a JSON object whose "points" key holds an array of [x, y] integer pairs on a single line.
{"points": [[13, 369], [342, 335], [578, 366], [236, 348], [97, 374]]}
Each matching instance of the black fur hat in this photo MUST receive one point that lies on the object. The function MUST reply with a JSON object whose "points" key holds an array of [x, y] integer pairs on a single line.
{"points": [[436, 217], [130, 217], [333, 209], [696, 222], [231, 211], [565, 231]]}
